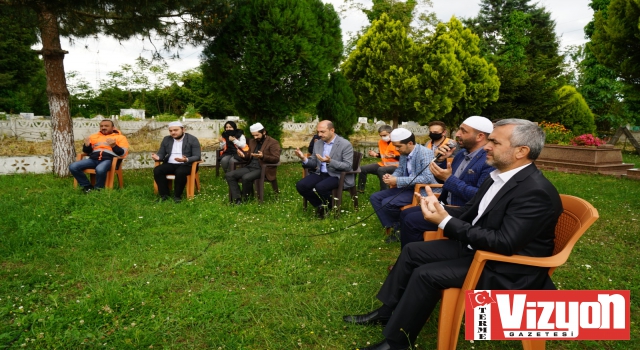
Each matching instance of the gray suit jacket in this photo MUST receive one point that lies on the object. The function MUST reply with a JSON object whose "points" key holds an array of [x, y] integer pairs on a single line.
{"points": [[190, 148], [341, 159]]}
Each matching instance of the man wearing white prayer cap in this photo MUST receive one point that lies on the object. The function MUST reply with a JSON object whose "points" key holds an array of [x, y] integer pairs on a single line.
{"points": [[461, 178], [177, 152], [413, 169], [263, 149]]}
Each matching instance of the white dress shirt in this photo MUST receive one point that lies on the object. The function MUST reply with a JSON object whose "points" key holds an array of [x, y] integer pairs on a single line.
{"points": [[176, 151]]}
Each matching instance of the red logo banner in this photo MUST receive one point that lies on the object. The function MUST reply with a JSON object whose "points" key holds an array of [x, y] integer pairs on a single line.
{"points": [[551, 315]]}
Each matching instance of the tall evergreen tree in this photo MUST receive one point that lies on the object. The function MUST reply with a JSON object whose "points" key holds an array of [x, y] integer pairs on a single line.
{"points": [[519, 38], [615, 43], [19, 65], [597, 83], [339, 105], [273, 57], [480, 79], [178, 21]]}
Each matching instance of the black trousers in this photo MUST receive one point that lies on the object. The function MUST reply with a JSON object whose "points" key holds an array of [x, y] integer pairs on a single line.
{"points": [[181, 171], [413, 226], [413, 287], [376, 169], [245, 175]]}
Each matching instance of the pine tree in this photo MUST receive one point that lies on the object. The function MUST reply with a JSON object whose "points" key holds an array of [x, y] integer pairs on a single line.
{"points": [[480, 79], [339, 105], [273, 57], [519, 38]]}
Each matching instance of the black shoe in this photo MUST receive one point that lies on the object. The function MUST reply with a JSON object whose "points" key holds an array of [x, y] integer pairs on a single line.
{"points": [[371, 318], [383, 345], [238, 201], [177, 199], [162, 199], [88, 189], [393, 238], [321, 212]]}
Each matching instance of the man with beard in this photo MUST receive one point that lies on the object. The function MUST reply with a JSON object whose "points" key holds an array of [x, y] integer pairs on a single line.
{"points": [[177, 152], [101, 147], [437, 137], [262, 149], [461, 178], [332, 154], [514, 212]]}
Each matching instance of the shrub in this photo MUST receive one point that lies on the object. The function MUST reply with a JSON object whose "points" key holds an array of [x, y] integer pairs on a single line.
{"points": [[166, 117], [574, 112], [126, 118], [587, 140], [556, 133]]}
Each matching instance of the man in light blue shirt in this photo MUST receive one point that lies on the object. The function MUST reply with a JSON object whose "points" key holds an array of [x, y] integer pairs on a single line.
{"points": [[332, 155]]}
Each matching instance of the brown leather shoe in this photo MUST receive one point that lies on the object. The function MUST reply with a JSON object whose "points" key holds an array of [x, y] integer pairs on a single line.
{"points": [[389, 268]]}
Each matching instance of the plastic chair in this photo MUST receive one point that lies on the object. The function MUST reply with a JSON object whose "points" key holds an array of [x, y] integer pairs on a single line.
{"points": [[259, 183], [116, 169], [577, 217], [193, 180], [336, 194]]}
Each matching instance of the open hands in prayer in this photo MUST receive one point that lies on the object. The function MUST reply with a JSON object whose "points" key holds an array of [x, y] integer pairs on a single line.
{"points": [[439, 173], [111, 141], [182, 159], [155, 157], [432, 210], [326, 159], [258, 155], [300, 155], [372, 153], [390, 180]]}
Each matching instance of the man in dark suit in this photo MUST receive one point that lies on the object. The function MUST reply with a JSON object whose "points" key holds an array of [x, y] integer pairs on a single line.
{"points": [[177, 152], [461, 179], [513, 212], [262, 149], [332, 155]]}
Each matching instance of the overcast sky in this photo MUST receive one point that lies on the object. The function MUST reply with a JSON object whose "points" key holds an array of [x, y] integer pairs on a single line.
{"points": [[93, 59]]}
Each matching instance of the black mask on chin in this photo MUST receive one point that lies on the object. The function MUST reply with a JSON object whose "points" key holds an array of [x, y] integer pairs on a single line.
{"points": [[435, 136]]}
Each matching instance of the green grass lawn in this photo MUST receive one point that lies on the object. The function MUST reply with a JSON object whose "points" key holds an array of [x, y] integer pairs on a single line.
{"points": [[116, 270]]}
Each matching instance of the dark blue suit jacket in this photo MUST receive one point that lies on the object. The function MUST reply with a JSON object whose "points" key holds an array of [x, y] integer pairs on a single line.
{"points": [[462, 189]]}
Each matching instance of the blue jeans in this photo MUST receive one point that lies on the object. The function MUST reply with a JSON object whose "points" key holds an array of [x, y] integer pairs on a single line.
{"points": [[101, 167]]}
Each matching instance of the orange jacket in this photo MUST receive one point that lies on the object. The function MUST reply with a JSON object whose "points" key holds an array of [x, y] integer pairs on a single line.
{"points": [[388, 153], [99, 148]]}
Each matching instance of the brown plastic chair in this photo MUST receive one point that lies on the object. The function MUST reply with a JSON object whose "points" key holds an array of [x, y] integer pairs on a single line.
{"points": [[116, 169], [577, 217], [336, 194], [193, 180], [259, 183]]}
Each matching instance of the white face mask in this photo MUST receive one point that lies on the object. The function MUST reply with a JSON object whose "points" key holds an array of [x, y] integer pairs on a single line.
{"points": [[386, 138]]}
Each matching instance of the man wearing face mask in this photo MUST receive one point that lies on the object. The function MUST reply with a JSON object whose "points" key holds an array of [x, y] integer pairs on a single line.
{"points": [[389, 158], [262, 149], [437, 138]]}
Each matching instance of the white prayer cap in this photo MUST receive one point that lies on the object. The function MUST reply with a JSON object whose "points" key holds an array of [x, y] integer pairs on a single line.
{"points": [[256, 127], [176, 124], [400, 134], [479, 123]]}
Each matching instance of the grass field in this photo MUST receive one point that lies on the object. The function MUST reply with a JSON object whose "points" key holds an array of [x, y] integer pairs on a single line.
{"points": [[116, 270]]}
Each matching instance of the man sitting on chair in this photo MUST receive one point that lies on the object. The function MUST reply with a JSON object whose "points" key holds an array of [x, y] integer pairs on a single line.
{"points": [[177, 152], [262, 149], [514, 212], [101, 147], [388, 160], [332, 155], [413, 169], [461, 178]]}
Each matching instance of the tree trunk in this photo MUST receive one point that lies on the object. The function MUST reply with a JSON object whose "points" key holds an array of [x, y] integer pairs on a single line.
{"points": [[62, 127]]}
